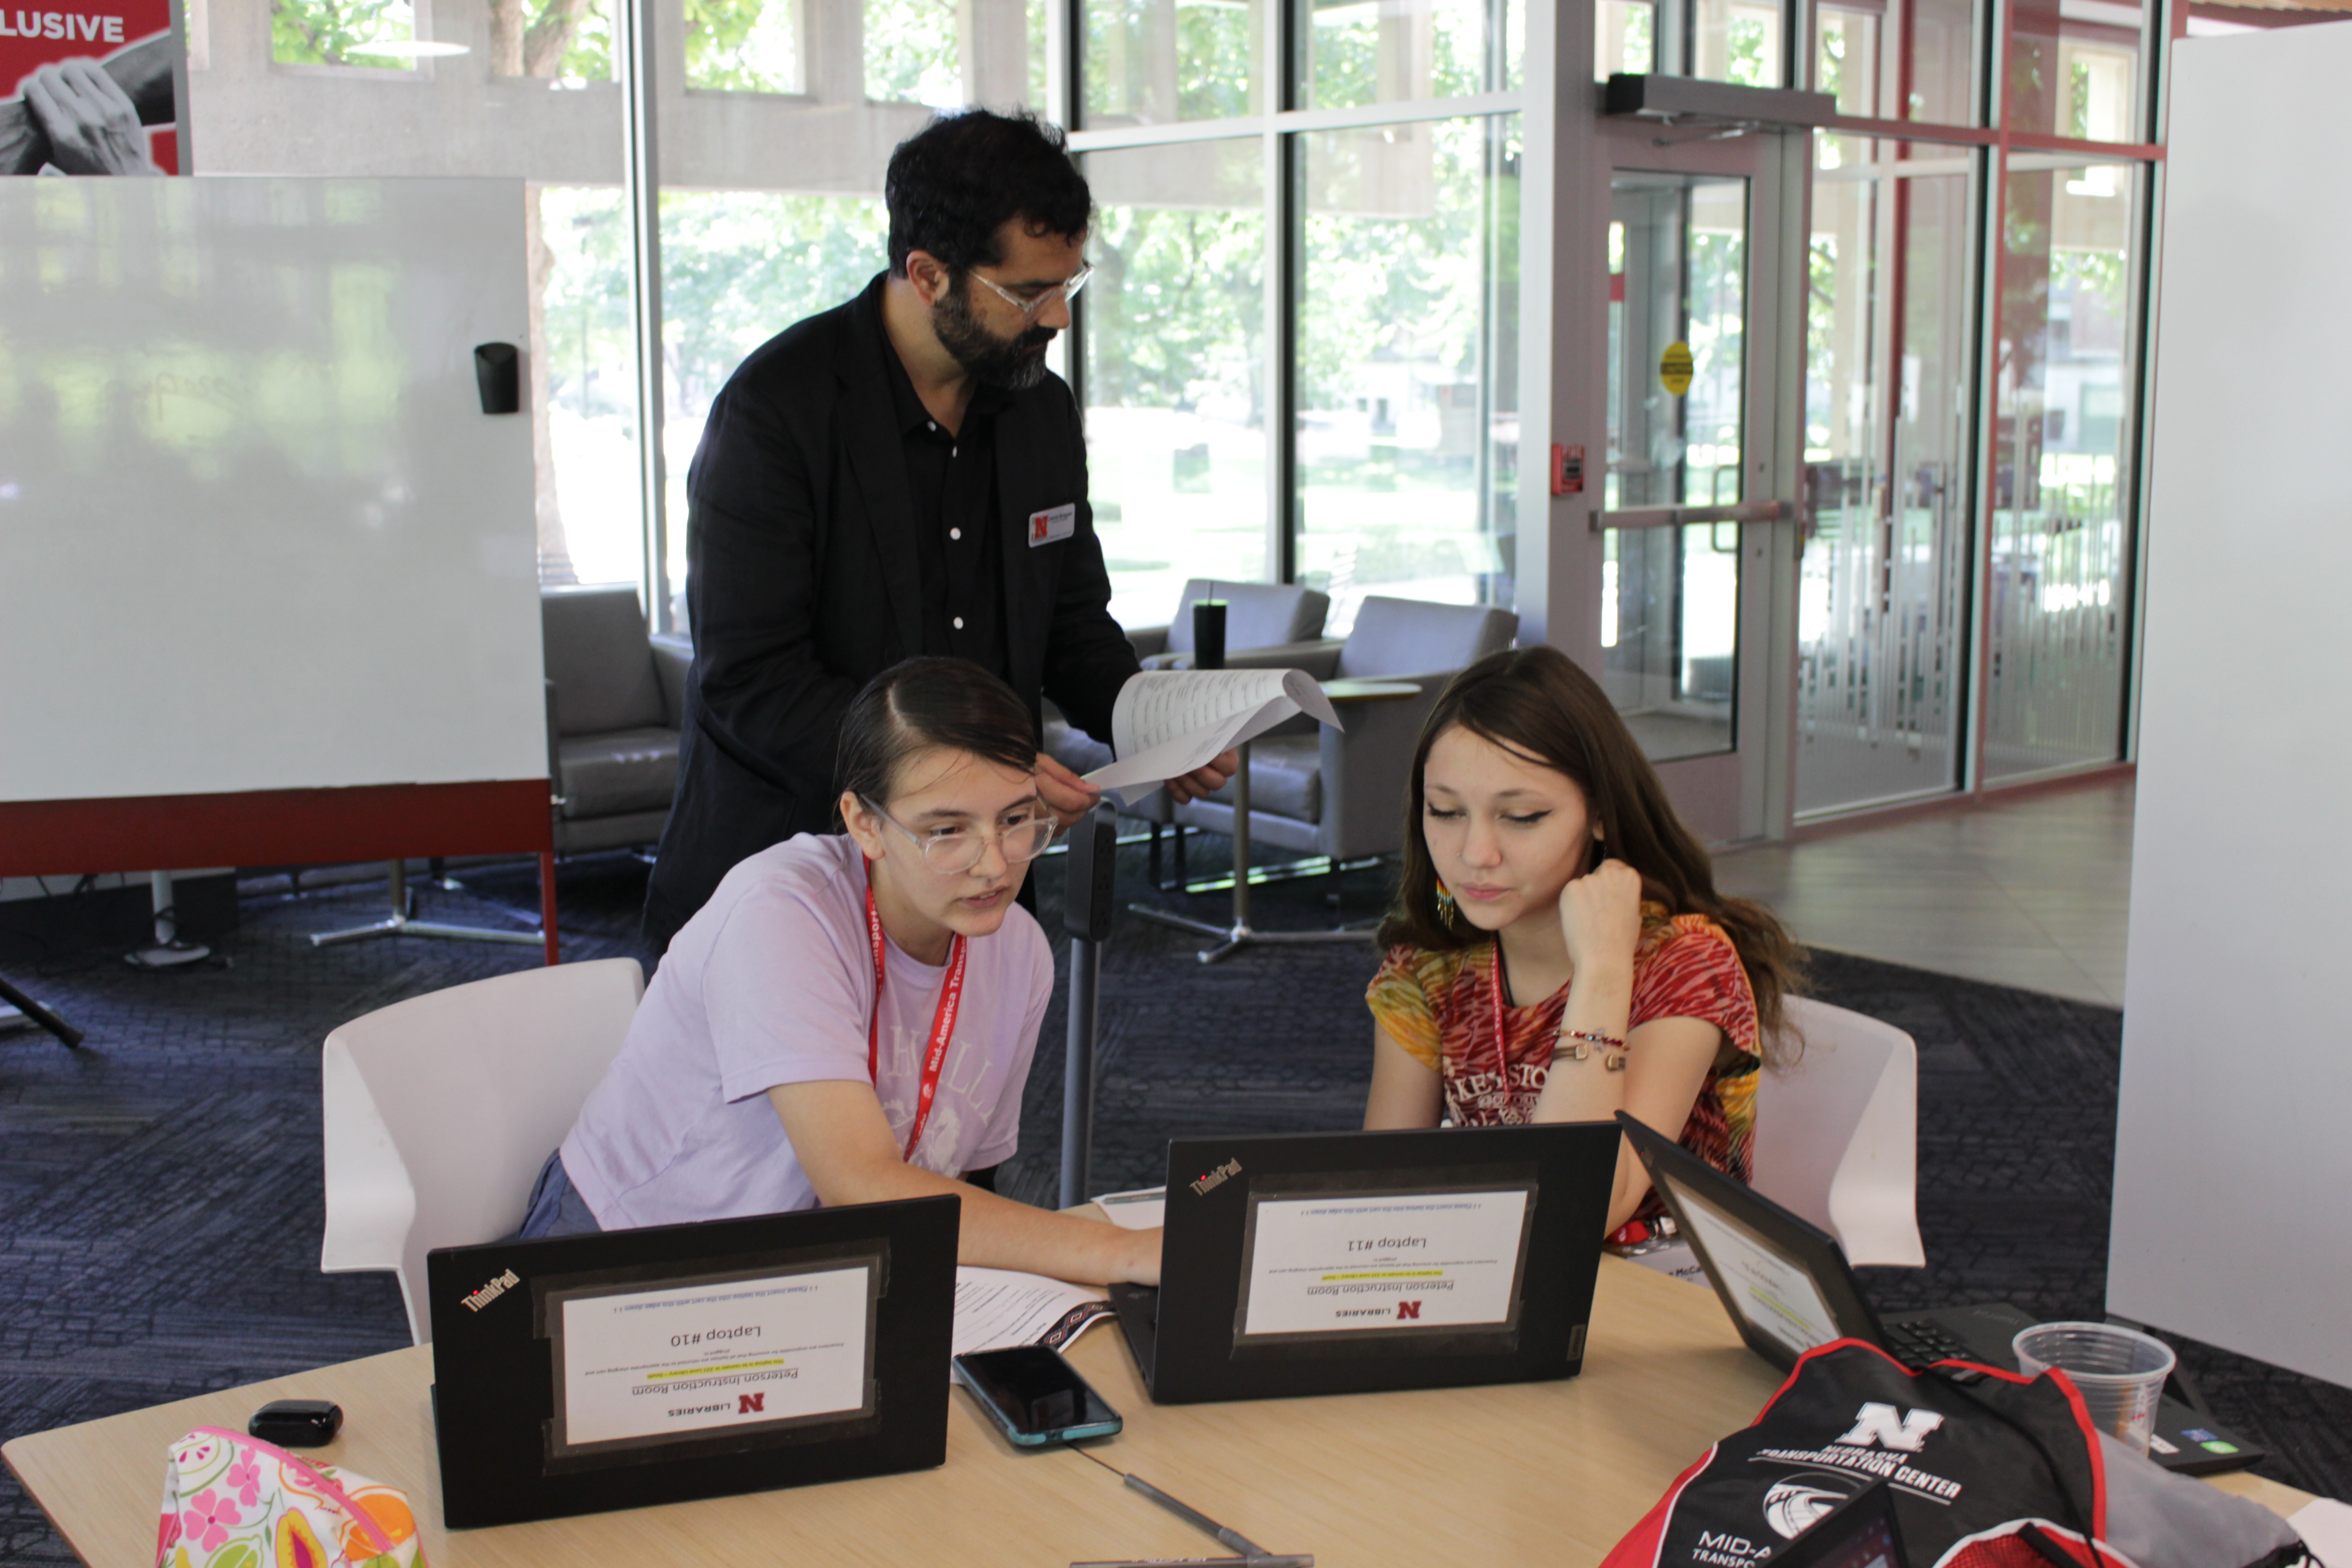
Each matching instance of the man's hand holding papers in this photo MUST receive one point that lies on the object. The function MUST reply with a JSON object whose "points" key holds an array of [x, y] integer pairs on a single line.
{"points": [[1167, 724]]}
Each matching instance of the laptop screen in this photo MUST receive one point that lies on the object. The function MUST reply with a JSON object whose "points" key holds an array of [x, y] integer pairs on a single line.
{"points": [[1859, 1532], [1782, 1279], [1772, 1290]]}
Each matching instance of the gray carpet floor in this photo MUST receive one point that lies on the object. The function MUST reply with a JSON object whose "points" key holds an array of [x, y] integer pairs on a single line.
{"points": [[160, 1202]]}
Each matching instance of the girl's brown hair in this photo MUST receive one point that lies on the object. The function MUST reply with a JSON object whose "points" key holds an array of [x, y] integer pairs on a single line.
{"points": [[919, 704], [1536, 704]]}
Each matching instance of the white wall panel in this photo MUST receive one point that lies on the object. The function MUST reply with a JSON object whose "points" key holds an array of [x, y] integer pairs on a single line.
{"points": [[256, 531], [2233, 1159]]}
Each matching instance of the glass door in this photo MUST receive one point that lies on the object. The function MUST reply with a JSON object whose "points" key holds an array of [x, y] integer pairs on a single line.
{"points": [[1670, 590], [1694, 489], [1883, 599]]}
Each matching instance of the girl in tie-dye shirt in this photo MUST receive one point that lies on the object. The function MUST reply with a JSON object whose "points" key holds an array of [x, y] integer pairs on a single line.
{"points": [[1558, 952]]}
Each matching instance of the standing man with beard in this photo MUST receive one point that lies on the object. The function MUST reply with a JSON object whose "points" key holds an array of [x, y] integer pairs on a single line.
{"points": [[898, 475]]}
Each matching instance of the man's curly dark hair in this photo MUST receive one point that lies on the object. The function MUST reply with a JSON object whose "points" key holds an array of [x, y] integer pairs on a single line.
{"points": [[954, 183]]}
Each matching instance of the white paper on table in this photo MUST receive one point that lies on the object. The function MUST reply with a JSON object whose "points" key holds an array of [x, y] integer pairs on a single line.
{"points": [[999, 1307], [1775, 1293], [2326, 1526], [1167, 722], [1139, 1210], [726, 1353], [1424, 1260]]}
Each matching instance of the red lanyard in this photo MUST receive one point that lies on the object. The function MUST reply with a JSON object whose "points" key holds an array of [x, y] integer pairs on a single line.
{"points": [[1502, 1055], [942, 1021]]}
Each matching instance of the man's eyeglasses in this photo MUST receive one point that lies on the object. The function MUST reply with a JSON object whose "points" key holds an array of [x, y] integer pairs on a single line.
{"points": [[952, 851], [1030, 305]]}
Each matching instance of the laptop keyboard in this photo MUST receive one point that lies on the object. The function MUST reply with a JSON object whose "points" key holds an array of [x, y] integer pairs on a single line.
{"points": [[1919, 1344]]}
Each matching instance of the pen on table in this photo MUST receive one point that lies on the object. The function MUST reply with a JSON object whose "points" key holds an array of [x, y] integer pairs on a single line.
{"points": [[1253, 1554], [1233, 1538], [1261, 1559]]}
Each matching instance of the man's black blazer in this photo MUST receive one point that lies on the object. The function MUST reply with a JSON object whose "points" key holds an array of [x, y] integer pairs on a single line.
{"points": [[802, 584]]}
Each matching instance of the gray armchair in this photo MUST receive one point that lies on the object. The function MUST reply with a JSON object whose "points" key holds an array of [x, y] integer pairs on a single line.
{"points": [[615, 700], [1342, 795]]}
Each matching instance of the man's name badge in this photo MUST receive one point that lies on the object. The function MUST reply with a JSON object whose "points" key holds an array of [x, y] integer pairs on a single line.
{"points": [[1047, 527]]}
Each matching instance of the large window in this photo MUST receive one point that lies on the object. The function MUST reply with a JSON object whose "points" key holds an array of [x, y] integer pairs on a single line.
{"points": [[1406, 436], [2061, 467], [1175, 373], [1975, 327], [1883, 578], [1153, 62], [1300, 358]]}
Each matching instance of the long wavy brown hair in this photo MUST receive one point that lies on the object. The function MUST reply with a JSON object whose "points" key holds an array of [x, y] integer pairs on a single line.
{"points": [[1536, 702]]}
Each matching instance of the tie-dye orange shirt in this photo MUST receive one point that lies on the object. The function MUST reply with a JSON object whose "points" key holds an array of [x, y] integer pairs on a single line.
{"points": [[1440, 1007]]}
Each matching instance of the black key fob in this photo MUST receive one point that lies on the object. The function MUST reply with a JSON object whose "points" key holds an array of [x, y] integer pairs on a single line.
{"points": [[297, 1423]]}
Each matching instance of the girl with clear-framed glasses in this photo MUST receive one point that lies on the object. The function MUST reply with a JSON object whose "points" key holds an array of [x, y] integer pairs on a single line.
{"points": [[851, 1017]]}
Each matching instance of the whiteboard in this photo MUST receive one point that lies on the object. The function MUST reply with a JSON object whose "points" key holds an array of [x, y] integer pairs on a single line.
{"points": [[256, 531], [2232, 1158]]}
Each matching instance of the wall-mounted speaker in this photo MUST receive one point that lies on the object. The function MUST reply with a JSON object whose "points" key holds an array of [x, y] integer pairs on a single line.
{"points": [[497, 369]]}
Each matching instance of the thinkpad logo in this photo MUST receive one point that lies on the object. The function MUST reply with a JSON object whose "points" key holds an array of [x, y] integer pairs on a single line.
{"points": [[1905, 1432], [1217, 1178], [491, 1292]]}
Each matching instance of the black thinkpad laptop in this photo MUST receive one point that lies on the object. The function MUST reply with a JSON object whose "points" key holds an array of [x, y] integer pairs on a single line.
{"points": [[1343, 1262], [1787, 1285]]}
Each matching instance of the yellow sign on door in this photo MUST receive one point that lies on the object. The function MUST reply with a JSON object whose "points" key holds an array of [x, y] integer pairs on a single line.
{"points": [[1674, 368]]}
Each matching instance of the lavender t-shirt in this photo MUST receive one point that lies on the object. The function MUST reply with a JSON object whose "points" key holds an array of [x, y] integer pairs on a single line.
{"points": [[773, 984]]}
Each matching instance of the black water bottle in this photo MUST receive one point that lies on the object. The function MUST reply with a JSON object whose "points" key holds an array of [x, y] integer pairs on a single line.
{"points": [[1208, 634]]}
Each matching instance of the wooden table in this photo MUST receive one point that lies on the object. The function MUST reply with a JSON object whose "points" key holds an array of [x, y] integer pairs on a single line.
{"points": [[1548, 1473], [1232, 939]]}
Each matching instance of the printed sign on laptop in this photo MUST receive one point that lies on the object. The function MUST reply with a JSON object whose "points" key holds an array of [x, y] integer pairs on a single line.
{"points": [[761, 1349], [1776, 1294], [1359, 1263]]}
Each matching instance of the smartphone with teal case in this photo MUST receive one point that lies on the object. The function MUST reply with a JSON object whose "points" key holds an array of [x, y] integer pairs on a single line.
{"points": [[1035, 1395]]}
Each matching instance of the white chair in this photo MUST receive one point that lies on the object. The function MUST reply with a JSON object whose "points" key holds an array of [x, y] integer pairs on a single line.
{"points": [[1837, 1134], [440, 1110]]}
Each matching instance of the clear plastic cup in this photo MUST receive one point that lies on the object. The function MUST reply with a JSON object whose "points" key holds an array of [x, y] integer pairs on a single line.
{"points": [[2120, 1372]]}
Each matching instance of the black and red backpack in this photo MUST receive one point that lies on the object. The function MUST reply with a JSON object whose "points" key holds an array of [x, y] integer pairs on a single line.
{"points": [[1988, 1469]]}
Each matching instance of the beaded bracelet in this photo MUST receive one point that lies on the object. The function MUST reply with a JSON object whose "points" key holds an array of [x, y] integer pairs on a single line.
{"points": [[1612, 1052]]}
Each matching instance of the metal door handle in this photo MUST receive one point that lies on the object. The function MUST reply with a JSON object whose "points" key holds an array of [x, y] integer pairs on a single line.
{"points": [[1677, 516]]}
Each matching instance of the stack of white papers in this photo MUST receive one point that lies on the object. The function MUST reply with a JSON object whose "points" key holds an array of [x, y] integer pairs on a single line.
{"points": [[999, 1307], [1167, 722], [1137, 1210]]}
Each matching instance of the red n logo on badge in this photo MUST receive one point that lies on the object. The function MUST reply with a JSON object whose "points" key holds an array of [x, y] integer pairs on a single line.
{"points": [[1038, 526], [1408, 1309], [750, 1404]]}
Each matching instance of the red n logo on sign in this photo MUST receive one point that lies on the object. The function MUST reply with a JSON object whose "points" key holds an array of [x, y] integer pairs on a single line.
{"points": [[746, 1403], [1408, 1309]]}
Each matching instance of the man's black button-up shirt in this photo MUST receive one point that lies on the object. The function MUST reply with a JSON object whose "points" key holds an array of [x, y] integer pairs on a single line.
{"points": [[957, 547]]}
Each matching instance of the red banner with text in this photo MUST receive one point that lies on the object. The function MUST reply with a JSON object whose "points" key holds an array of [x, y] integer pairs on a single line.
{"points": [[89, 88]]}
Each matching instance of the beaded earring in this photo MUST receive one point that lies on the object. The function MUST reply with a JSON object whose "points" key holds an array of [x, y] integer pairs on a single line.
{"points": [[1445, 902]]}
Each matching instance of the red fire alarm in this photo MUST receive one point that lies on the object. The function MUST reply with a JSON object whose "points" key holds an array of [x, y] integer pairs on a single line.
{"points": [[1566, 470]]}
